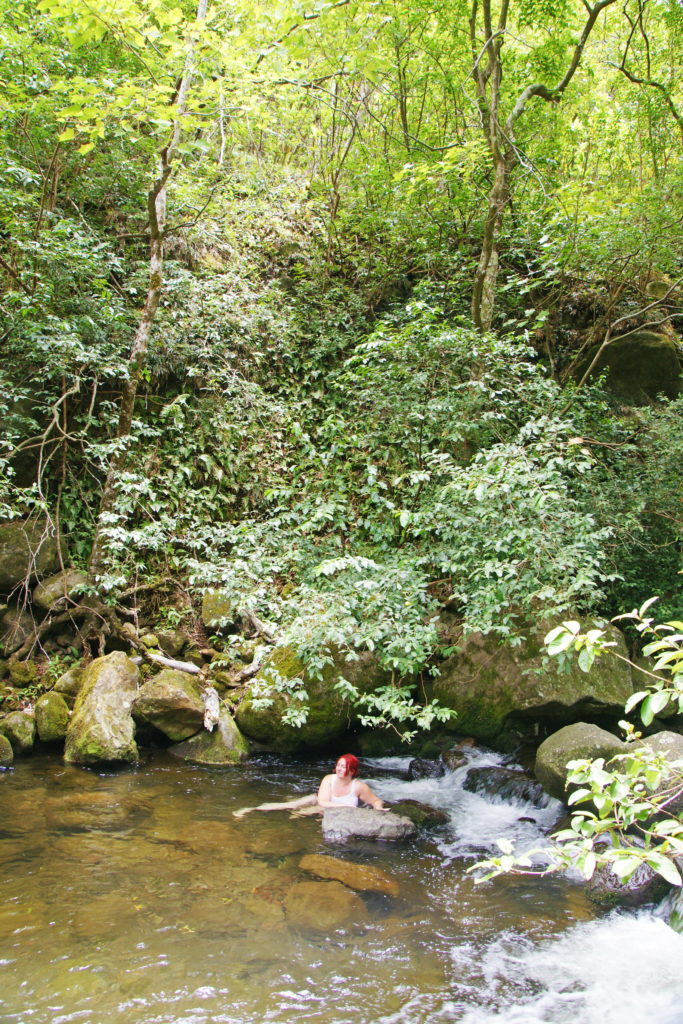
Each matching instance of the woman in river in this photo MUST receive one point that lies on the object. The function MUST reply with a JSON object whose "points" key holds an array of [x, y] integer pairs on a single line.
{"points": [[341, 789]]}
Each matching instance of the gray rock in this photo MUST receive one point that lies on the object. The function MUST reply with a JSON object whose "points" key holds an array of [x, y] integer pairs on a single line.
{"points": [[102, 728], [422, 768], [574, 742], [489, 684], [508, 784], [171, 702], [6, 752], [225, 745], [19, 727], [16, 626], [55, 593], [341, 823], [52, 717], [28, 550]]}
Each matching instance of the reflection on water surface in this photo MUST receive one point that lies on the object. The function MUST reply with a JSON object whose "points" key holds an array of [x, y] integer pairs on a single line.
{"points": [[134, 896]]}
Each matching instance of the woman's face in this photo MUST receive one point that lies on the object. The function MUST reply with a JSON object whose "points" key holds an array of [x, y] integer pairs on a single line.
{"points": [[340, 768]]}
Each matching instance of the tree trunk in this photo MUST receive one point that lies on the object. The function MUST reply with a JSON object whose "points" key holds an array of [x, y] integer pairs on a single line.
{"points": [[156, 208]]}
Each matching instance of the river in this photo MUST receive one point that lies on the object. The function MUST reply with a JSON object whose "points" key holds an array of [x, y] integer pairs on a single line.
{"points": [[134, 896]]}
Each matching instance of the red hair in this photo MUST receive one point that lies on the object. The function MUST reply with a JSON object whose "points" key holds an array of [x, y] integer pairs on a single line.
{"points": [[352, 764]]}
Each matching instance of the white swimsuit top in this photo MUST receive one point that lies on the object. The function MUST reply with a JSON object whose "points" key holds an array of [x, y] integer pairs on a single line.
{"points": [[349, 799]]}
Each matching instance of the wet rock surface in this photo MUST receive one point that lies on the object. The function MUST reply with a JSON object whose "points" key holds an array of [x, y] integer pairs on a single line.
{"points": [[509, 784], [342, 823], [423, 768], [323, 906], [363, 877], [422, 815]]}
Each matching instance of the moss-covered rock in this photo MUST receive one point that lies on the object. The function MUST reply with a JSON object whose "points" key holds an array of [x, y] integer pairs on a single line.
{"points": [[23, 673], [171, 702], [225, 745], [421, 815], [574, 742], [638, 368], [28, 550], [56, 592], [70, 684], [329, 715], [486, 683], [217, 609], [6, 752], [20, 729], [52, 717], [102, 727]]}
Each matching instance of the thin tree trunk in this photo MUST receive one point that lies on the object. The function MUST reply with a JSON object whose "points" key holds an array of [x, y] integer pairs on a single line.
{"points": [[156, 208]]}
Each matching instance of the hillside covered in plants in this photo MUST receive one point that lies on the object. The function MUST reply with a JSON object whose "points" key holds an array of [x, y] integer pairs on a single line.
{"points": [[335, 337]]}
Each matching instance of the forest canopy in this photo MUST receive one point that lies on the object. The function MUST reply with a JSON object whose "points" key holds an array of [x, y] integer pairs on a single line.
{"points": [[313, 305]]}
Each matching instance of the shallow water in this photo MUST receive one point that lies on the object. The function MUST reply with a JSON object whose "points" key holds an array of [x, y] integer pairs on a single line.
{"points": [[135, 896]]}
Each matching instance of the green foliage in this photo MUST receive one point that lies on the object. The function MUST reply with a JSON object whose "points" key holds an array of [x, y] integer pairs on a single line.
{"points": [[629, 819]]}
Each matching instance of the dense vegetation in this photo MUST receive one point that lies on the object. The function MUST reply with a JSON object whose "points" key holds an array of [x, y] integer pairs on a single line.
{"points": [[296, 303]]}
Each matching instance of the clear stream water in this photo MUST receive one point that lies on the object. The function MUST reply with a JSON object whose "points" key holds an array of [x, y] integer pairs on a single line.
{"points": [[135, 897]]}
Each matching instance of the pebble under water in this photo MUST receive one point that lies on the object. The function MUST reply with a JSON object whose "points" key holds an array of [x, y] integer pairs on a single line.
{"points": [[134, 896]]}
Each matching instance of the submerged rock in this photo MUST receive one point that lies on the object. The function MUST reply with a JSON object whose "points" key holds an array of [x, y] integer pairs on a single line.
{"points": [[507, 784], [225, 745], [52, 717], [362, 877], [102, 727], [172, 702], [341, 823], [574, 742], [492, 686], [19, 727], [323, 906]]}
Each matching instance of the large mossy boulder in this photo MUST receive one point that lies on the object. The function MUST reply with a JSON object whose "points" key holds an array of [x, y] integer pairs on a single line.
{"points": [[56, 592], [495, 687], [102, 727], [575, 742], [224, 745], [329, 714], [638, 367], [28, 550], [172, 703], [19, 727], [52, 717]]}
